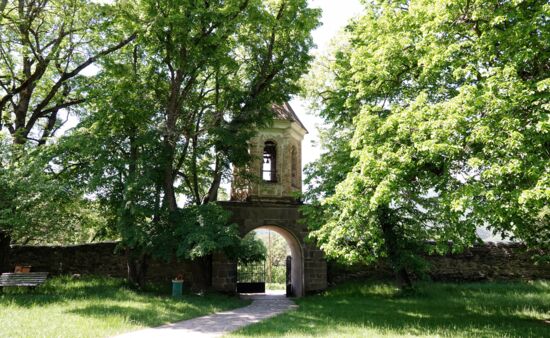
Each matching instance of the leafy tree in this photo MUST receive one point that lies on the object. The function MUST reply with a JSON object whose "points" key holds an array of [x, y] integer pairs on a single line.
{"points": [[39, 205], [277, 251], [252, 249], [44, 47], [221, 64], [168, 114], [448, 105]]}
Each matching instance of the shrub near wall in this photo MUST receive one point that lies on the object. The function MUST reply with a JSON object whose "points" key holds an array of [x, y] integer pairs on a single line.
{"points": [[490, 261], [102, 259]]}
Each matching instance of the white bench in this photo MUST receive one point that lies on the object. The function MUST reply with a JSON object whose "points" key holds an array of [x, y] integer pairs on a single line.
{"points": [[28, 279]]}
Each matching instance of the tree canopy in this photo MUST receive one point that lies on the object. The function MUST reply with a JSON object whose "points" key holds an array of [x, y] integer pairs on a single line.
{"points": [[443, 110], [178, 89]]}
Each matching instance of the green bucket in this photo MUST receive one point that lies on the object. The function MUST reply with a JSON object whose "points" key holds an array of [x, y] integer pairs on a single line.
{"points": [[177, 288]]}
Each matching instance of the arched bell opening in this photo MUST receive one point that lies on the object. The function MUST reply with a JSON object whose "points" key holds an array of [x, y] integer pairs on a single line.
{"points": [[269, 163], [249, 281]]}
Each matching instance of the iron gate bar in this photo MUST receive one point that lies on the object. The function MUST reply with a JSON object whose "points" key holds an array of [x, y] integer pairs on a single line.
{"points": [[251, 278]]}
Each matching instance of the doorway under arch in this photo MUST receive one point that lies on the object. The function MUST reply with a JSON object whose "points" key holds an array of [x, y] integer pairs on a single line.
{"points": [[310, 268], [296, 254]]}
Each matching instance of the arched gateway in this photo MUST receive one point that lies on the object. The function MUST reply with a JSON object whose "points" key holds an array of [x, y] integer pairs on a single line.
{"points": [[262, 196]]}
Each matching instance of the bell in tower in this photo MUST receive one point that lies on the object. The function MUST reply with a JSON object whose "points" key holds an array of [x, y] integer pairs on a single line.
{"points": [[275, 172]]}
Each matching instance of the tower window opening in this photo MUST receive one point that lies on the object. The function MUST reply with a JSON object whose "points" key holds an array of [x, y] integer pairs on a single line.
{"points": [[269, 163]]}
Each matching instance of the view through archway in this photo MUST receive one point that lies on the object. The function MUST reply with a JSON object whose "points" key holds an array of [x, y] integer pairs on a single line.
{"points": [[280, 269]]}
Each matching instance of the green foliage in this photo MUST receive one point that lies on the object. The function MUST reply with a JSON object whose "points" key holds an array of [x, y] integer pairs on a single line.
{"points": [[44, 47], [168, 115], [197, 232], [277, 251], [252, 249], [180, 87], [38, 205], [447, 102]]}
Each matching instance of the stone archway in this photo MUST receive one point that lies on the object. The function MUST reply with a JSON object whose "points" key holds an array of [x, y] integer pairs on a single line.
{"points": [[296, 252], [310, 273]]}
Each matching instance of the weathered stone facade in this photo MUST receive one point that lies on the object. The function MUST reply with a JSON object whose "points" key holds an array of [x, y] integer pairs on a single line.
{"points": [[309, 269], [286, 133], [483, 262], [490, 261], [103, 259], [263, 195]]}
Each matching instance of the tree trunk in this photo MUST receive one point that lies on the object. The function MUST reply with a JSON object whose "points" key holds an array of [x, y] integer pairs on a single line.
{"points": [[403, 279], [391, 241], [168, 177], [212, 195], [5, 240], [137, 268]]}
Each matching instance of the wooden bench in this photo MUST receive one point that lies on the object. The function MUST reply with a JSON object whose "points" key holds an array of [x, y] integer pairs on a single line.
{"points": [[28, 279]]}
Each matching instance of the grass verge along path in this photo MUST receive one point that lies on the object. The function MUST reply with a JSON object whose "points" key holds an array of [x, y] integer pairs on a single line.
{"points": [[436, 309], [97, 307]]}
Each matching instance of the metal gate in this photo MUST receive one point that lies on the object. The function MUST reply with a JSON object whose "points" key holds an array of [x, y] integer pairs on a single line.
{"points": [[289, 291], [251, 278]]}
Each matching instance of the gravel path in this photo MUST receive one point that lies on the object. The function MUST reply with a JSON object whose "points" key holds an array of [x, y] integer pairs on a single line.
{"points": [[216, 325]]}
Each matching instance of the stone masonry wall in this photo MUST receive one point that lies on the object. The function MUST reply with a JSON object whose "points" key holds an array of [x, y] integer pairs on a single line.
{"points": [[102, 259], [491, 261], [485, 262]]}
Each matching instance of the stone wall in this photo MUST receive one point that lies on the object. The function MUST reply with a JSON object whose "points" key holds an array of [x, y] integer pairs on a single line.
{"points": [[486, 262], [491, 261], [102, 259]]}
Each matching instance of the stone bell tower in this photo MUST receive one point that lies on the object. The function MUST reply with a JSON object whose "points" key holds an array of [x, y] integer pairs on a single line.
{"points": [[275, 172]]}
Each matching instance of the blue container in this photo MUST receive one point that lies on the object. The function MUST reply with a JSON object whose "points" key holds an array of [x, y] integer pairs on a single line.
{"points": [[177, 288]]}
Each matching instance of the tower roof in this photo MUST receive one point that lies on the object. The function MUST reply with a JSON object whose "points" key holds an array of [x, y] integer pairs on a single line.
{"points": [[285, 112]]}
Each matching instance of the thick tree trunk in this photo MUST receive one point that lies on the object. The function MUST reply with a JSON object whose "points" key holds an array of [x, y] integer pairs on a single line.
{"points": [[212, 195], [168, 177], [5, 240], [391, 241], [137, 268], [403, 279], [201, 270]]}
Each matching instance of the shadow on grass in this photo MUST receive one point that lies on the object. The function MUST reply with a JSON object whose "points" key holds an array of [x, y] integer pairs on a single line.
{"points": [[490, 310], [163, 310], [98, 289], [144, 316]]}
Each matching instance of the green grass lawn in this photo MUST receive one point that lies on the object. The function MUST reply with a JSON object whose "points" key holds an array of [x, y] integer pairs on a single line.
{"points": [[436, 310], [96, 307]]}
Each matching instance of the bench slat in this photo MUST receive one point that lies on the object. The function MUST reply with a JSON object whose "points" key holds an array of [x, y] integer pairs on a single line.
{"points": [[23, 279], [9, 274]]}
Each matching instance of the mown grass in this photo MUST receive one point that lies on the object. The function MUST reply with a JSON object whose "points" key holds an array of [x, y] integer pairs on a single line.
{"points": [[97, 307], [435, 310]]}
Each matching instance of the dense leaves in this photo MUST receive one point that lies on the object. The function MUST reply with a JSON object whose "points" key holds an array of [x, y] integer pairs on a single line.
{"points": [[252, 249], [178, 89], [44, 46], [38, 204], [448, 105]]}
